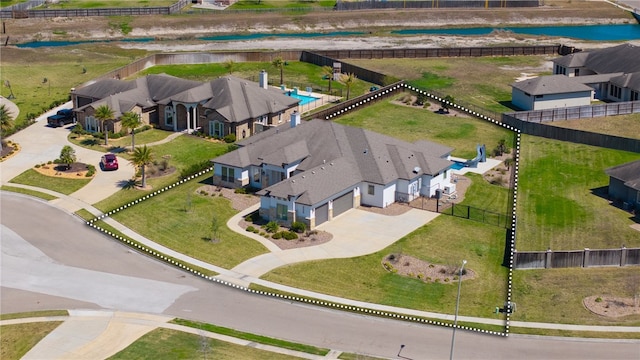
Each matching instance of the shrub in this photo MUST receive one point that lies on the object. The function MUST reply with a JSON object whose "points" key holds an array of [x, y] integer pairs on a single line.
{"points": [[250, 228], [598, 299], [271, 226], [277, 235], [230, 138], [90, 171], [289, 235], [240, 190], [298, 227], [194, 169], [37, 166], [446, 279]]}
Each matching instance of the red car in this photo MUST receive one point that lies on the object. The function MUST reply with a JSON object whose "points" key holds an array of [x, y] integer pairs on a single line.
{"points": [[109, 162]]}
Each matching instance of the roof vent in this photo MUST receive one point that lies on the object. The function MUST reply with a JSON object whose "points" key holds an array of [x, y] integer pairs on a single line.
{"points": [[366, 150], [416, 170]]}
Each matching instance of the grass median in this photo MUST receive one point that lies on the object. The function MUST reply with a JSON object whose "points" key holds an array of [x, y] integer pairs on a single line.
{"points": [[61, 185]]}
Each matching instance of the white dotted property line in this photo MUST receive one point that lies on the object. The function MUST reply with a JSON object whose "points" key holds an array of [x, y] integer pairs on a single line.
{"points": [[313, 301], [364, 101]]}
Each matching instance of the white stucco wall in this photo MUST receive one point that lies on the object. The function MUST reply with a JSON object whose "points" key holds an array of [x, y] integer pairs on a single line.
{"points": [[430, 184], [553, 101], [372, 200]]}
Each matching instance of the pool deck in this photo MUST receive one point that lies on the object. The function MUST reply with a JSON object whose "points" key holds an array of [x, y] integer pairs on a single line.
{"points": [[482, 168], [323, 99]]}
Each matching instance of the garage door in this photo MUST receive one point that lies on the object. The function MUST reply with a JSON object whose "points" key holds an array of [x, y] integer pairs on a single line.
{"points": [[322, 214], [342, 204]]}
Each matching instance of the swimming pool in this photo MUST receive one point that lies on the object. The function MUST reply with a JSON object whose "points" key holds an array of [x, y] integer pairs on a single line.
{"points": [[304, 99], [457, 165]]}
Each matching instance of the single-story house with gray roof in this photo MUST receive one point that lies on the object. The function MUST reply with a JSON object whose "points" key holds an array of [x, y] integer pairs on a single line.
{"points": [[223, 106], [624, 183], [314, 171], [548, 92]]}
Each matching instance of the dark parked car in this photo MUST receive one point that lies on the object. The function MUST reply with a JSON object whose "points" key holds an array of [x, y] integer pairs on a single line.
{"points": [[109, 162], [61, 118]]}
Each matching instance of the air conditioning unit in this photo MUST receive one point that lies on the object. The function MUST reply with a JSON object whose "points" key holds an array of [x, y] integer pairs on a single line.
{"points": [[450, 189]]}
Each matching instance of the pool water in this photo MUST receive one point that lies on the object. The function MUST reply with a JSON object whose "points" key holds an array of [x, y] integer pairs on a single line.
{"points": [[304, 99], [457, 165]]}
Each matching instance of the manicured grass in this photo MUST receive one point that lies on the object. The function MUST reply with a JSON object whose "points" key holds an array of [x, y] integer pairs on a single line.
{"points": [[555, 295], [483, 195], [181, 220], [446, 240], [252, 337], [582, 334], [142, 138], [562, 201], [414, 123], [182, 152], [624, 125], [95, 4], [61, 185], [172, 344], [85, 214], [452, 76], [18, 339], [32, 314], [38, 194]]}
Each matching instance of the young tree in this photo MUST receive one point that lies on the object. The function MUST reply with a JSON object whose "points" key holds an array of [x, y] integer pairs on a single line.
{"points": [[348, 80], [278, 63], [327, 71], [502, 146], [104, 114], [67, 155], [6, 122], [446, 102], [131, 120], [215, 228], [142, 156], [230, 65]]}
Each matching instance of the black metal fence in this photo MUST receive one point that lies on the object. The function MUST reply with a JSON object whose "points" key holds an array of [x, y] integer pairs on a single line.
{"points": [[576, 258], [22, 11], [441, 52], [475, 214]]}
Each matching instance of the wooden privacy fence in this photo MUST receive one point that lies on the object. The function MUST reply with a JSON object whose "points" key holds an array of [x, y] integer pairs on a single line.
{"points": [[440, 52], [572, 135], [576, 258], [578, 112], [432, 4]]}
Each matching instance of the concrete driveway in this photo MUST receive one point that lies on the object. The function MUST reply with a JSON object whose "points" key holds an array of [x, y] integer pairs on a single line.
{"points": [[355, 233], [40, 143]]}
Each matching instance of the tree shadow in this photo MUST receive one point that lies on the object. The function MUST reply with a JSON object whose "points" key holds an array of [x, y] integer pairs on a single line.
{"points": [[128, 184], [117, 149], [89, 142]]}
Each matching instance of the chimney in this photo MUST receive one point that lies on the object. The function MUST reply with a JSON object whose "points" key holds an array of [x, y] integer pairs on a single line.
{"points": [[295, 119], [263, 79]]}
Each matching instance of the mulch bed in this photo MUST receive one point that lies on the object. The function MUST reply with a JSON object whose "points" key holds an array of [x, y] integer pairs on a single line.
{"points": [[412, 267]]}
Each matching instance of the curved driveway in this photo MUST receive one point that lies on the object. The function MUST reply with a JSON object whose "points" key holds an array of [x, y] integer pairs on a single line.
{"points": [[87, 257]]}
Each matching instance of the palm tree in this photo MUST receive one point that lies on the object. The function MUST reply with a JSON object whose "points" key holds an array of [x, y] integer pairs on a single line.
{"points": [[348, 80], [328, 72], [142, 157], [229, 64], [6, 122], [104, 114], [67, 156], [131, 120], [278, 63]]}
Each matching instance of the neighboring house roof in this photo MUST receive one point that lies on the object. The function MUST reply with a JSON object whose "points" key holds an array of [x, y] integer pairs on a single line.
{"points": [[234, 98], [595, 79], [618, 58], [552, 84], [339, 155], [628, 173]]}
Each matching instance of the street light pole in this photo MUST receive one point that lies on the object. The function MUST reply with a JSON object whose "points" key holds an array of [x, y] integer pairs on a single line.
{"points": [[455, 318]]}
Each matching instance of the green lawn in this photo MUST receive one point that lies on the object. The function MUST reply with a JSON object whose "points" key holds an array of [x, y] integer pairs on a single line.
{"points": [[181, 152], [414, 123], [182, 220], [18, 339], [172, 344], [95, 4], [452, 76], [446, 240], [560, 198], [142, 138], [61, 185], [30, 192]]}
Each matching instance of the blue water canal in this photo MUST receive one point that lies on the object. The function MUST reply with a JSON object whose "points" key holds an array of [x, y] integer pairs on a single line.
{"points": [[618, 32]]}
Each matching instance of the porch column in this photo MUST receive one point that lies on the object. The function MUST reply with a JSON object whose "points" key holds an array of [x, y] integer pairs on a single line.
{"points": [[175, 118], [188, 119]]}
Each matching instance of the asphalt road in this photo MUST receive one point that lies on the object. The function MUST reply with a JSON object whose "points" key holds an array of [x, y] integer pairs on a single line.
{"points": [[51, 260]]}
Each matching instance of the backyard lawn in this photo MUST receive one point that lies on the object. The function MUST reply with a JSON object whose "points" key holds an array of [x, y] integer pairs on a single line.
{"points": [[411, 123], [562, 201]]}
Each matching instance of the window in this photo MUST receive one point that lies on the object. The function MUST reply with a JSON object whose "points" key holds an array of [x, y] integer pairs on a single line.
{"points": [[228, 174], [281, 211], [168, 116], [576, 72], [216, 129], [371, 190], [279, 118], [256, 174], [445, 174], [90, 124], [262, 119], [635, 95]]}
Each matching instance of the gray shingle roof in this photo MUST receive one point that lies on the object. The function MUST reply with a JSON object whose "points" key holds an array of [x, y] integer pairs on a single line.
{"points": [[629, 81], [629, 173], [552, 84], [346, 155], [620, 58]]}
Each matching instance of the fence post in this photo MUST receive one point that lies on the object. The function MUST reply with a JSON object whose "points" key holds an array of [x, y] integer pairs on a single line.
{"points": [[623, 256], [585, 257], [547, 259]]}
